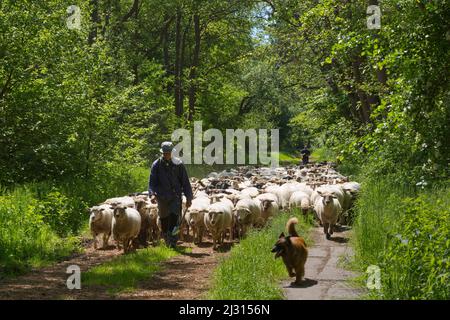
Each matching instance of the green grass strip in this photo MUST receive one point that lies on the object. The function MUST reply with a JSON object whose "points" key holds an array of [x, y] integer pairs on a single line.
{"points": [[251, 271], [125, 272]]}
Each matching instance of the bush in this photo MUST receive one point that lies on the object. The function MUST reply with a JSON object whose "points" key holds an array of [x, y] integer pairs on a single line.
{"points": [[39, 221], [25, 238]]}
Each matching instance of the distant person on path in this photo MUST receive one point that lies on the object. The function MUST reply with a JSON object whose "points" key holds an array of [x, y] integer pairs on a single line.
{"points": [[305, 155], [168, 180]]}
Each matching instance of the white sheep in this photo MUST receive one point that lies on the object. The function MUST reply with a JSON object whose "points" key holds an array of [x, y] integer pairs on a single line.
{"points": [[125, 201], [351, 190], [250, 191], [247, 213], [328, 209], [143, 206], [301, 200], [126, 225], [286, 190], [195, 217], [218, 220], [100, 222], [154, 230], [269, 205]]}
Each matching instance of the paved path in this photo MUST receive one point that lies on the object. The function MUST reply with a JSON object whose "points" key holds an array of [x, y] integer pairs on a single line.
{"points": [[324, 280]]}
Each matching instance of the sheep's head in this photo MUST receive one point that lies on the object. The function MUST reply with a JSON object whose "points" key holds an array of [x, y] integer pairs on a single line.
{"points": [[266, 204], [242, 215], [352, 192], [141, 205], [153, 213], [196, 216], [214, 216], [96, 213], [327, 197], [119, 211]]}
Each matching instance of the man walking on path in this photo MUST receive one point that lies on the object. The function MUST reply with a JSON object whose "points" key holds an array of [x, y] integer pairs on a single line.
{"points": [[168, 180], [305, 155]]}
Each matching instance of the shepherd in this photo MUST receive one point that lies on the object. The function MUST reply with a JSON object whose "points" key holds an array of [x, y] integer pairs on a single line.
{"points": [[168, 181], [305, 155]]}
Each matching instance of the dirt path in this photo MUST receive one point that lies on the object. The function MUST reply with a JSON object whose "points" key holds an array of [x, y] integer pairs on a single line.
{"points": [[188, 275], [324, 279], [185, 276]]}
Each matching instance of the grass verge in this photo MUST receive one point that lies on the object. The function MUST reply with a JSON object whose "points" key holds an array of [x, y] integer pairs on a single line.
{"points": [[323, 155], [125, 272], [250, 272], [405, 232]]}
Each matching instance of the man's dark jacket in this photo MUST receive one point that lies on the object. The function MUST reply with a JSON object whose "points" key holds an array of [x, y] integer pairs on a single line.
{"points": [[169, 179]]}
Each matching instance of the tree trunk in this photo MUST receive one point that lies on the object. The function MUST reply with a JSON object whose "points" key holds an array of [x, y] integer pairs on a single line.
{"points": [[193, 72], [178, 65], [365, 105], [95, 19]]}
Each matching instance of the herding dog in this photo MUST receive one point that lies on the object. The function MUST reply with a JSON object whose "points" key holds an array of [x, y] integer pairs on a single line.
{"points": [[293, 251]]}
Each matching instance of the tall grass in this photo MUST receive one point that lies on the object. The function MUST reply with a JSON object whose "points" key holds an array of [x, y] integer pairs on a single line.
{"points": [[250, 271], [25, 239], [39, 221], [407, 234]]}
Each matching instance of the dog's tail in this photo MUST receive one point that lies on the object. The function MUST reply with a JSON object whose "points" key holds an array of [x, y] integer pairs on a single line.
{"points": [[290, 227]]}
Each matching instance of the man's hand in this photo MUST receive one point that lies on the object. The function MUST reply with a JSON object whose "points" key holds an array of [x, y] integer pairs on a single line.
{"points": [[188, 203], [153, 199]]}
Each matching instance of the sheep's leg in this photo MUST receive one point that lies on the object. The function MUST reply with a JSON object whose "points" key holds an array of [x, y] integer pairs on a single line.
{"points": [[332, 226], [214, 243], [200, 235], [325, 230], [195, 234], [105, 240], [231, 235], [95, 240]]}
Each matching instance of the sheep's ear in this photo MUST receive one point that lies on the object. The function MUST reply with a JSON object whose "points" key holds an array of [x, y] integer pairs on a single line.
{"points": [[281, 235], [319, 192], [88, 210], [271, 200]]}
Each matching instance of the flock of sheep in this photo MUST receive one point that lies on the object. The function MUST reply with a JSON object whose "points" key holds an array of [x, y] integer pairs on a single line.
{"points": [[229, 203]]}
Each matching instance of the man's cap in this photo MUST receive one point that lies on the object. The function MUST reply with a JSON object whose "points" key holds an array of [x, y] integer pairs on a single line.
{"points": [[166, 146]]}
